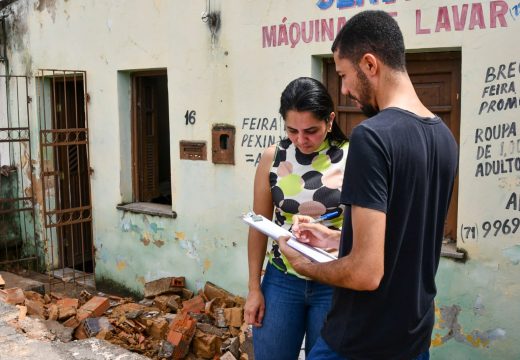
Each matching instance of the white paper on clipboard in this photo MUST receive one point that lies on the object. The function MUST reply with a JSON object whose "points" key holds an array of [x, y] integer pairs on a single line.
{"points": [[274, 231]]}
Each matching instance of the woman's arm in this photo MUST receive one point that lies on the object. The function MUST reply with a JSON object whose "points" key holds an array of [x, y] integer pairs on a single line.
{"points": [[257, 242]]}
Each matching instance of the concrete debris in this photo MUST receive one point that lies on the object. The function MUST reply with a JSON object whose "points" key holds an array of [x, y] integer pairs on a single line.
{"points": [[164, 286], [171, 322], [13, 296]]}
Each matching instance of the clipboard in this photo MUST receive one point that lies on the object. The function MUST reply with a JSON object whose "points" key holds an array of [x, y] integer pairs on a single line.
{"points": [[274, 231]]}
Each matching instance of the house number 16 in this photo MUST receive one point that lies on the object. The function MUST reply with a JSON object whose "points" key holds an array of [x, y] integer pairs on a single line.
{"points": [[190, 117]]}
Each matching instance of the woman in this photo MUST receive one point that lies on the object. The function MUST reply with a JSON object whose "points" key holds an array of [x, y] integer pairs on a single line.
{"points": [[302, 175]]}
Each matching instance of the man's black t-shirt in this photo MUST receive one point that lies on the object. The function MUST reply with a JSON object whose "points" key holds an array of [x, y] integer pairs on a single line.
{"points": [[405, 166]]}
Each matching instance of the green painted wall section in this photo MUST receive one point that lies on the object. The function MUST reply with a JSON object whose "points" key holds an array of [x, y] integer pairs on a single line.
{"points": [[477, 313], [146, 248]]}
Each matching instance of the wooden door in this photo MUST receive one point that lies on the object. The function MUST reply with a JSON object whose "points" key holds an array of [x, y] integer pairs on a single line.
{"points": [[436, 78], [146, 138]]}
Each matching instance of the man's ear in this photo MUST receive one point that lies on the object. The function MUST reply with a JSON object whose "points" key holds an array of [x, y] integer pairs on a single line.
{"points": [[369, 63]]}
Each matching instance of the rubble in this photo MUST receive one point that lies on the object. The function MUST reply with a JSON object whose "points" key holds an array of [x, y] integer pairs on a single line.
{"points": [[170, 322]]}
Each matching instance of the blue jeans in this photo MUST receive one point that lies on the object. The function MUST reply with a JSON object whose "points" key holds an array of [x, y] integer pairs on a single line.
{"points": [[294, 307], [322, 351]]}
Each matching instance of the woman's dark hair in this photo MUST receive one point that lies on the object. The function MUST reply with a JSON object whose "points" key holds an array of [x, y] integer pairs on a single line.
{"points": [[308, 94]]}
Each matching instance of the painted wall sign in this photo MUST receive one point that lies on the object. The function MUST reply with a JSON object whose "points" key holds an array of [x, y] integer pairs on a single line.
{"points": [[463, 17], [498, 150], [258, 134], [500, 81], [347, 4]]}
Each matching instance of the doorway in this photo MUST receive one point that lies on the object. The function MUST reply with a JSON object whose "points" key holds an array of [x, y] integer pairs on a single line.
{"points": [[151, 138], [436, 78], [65, 169]]}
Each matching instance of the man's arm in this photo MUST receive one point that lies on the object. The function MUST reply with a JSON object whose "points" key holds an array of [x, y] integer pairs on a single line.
{"points": [[362, 268]]}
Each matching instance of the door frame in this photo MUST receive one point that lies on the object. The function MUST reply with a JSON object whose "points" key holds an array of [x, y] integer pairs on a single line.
{"points": [[418, 63]]}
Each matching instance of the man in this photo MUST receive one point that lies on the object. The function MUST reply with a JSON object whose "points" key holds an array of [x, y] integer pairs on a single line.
{"points": [[397, 187]]}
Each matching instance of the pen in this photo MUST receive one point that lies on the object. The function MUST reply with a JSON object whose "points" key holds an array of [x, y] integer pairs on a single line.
{"points": [[325, 217]]}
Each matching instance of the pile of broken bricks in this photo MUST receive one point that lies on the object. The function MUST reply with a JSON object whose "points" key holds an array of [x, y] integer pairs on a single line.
{"points": [[170, 322]]}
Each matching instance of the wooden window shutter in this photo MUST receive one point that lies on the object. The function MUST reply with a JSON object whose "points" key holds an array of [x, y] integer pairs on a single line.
{"points": [[149, 140]]}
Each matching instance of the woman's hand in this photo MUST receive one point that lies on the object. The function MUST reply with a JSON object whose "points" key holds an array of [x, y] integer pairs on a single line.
{"points": [[315, 234], [254, 308]]}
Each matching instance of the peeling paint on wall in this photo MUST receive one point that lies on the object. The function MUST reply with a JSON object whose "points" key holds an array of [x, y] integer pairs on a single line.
{"points": [[513, 254], [447, 319], [207, 265], [478, 307], [17, 39], [155, 228], [49, 5], [146, 238], [158, 243], [121, 265], [191, 249]]}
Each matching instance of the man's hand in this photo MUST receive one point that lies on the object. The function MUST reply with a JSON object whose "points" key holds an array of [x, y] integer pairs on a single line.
{"points": [[315, 234], [254, 308], [299, 262]]}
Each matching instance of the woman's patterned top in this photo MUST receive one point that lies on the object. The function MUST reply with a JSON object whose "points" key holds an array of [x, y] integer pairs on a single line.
{"points": [[305, 184]]}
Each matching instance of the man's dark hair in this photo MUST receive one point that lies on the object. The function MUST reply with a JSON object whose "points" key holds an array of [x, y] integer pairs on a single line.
{"points": [[374, 32], [308, 94]]}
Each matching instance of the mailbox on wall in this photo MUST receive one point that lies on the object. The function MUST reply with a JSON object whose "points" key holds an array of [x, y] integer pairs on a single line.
{"points": [[223, 144], [192, 150]]}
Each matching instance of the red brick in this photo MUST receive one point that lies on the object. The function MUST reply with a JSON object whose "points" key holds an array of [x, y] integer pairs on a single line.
{"points": [[179, 281], [174, 338], [206, 346], [214, 291], [166, 285], [95, 307], [82, 314], [67, 307], [12, 296], [72, 322], [65, 312], [68, 302], [33, 295], [80, 332], [158, 328], [186, 294], [234, 316], [53, 311], [182, 330], [35, 308], [195, 305]]}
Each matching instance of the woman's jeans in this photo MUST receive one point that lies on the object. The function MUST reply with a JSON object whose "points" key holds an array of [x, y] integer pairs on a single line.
{"points": [[294, 307], [322, 351]]}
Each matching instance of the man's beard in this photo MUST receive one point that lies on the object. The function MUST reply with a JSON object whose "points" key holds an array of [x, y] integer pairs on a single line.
{"points": [[364, 98]]}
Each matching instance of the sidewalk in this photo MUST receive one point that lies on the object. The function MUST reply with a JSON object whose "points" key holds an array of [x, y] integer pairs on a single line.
{"points": [[30, 339]]}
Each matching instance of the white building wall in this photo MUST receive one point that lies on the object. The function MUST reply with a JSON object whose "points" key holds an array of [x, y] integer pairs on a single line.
{"points": [[236, 76]]}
